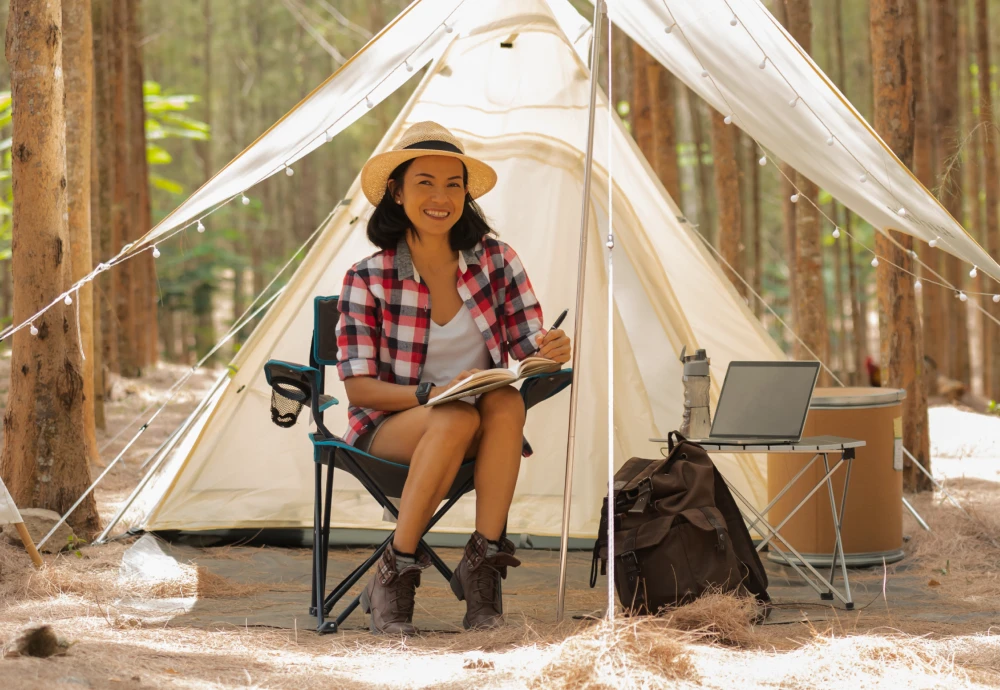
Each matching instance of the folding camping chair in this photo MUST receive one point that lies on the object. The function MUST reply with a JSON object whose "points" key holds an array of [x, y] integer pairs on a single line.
{"points": [[294, 386]]}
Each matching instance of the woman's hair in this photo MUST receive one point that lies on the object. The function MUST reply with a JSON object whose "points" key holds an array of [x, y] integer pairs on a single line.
{"points": [[389, 222]]}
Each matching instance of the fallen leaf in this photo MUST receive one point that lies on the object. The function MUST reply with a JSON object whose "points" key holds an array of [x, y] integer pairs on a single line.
{"points": [[934, 583]]}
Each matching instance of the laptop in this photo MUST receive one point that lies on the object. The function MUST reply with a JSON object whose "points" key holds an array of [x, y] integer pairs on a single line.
{"points": [[763, 403]]}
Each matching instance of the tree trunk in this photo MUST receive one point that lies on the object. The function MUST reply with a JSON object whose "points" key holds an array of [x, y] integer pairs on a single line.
{"points": [[46, 445], [938, 308], [642, 117], [705, 223], [859, 329], [664, 121], [991, 228], [727, 200], [893, 36], [144, 271], [78, 70], [755, 232], [810, 296], [121, 220], [106, 292]]}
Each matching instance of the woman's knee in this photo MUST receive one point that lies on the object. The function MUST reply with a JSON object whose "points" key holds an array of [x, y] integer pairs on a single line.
{"points": [[457, 418], [503, 406]]}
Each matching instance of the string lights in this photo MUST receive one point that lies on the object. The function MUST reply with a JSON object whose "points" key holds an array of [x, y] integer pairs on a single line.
{"points": [[830, 141]]}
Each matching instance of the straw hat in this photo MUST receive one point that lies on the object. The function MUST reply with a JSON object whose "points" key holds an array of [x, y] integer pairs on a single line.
{"points": [[424, 139]]}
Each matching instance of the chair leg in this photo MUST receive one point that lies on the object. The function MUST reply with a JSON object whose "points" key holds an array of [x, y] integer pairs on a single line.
{"points": [[319, 541], [328, 509], [355, 575], [436, 560]]}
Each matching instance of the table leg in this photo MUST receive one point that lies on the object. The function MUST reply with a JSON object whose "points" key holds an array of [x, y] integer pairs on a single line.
{"points": [[781, 493], [803, 561], [838, 547], [805, 500]]}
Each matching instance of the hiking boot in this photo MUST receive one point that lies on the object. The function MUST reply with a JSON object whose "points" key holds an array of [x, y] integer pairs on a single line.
{"points": [[477, 581], [389, 595]]}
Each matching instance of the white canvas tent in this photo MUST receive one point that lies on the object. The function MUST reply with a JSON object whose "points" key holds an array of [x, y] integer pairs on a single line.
{"points": [[523, 109], [10, 515]]}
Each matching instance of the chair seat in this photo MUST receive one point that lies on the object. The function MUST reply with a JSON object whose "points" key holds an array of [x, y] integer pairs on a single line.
{"points": [[387, 475]]}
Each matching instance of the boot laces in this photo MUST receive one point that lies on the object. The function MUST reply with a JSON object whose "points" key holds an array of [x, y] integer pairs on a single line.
{"points": [[486, 584], [402, 595]]}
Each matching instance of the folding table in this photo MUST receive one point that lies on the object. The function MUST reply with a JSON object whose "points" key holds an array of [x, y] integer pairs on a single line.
{"points": [[821, 447]]}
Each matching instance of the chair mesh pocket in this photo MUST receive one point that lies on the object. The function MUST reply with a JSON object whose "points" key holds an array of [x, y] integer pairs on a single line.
{"points": [[284, 408]]}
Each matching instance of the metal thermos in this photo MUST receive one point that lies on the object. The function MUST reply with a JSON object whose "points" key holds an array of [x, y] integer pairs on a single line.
{"points": [[697, 421]]}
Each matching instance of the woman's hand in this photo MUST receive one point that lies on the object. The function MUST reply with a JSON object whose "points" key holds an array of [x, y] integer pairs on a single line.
{"points": [[455, 381], [554, 345]]}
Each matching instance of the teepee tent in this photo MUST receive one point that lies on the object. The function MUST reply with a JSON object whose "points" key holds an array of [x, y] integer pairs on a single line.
{"points": [[508, 78], [234, 469]]}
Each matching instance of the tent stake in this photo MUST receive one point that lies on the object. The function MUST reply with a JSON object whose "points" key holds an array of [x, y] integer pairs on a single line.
{"points": [[600, 9]]}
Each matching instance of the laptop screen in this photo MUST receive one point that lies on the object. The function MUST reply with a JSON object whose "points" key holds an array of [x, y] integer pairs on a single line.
{"points": [[765, 400]]}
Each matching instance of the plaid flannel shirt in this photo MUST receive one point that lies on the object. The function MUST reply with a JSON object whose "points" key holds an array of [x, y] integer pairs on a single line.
{"points": [[385, 317]]}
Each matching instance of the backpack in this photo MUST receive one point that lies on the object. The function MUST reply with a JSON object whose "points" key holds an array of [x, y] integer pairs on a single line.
{"points": [[678, 533]]}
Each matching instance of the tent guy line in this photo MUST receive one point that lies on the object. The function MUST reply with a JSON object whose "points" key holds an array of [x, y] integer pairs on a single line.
{"points": [[172, 392], [897, 209], [602, 8], [768, 155], [263, 292]]}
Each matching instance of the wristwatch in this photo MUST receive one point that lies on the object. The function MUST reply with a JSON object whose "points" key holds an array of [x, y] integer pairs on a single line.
{"points": [[424, 392]]}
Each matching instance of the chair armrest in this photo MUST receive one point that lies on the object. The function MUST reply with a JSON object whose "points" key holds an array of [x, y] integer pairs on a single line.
{"points": [[541, 387], [293, 381], [327, 401]]}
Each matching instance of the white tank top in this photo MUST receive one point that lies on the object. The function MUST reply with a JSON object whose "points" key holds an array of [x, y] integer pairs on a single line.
{"points": [[453, 348]]}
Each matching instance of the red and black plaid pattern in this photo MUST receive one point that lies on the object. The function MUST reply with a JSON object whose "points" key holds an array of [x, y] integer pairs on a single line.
{"points": [[475, 553], [386, 570], [385, 317]]}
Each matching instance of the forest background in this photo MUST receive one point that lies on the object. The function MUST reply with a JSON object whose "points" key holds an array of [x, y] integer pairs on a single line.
{"points": [[181, 87]]}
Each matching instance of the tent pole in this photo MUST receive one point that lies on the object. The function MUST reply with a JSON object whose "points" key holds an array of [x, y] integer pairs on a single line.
{"points": [[600, 10]]}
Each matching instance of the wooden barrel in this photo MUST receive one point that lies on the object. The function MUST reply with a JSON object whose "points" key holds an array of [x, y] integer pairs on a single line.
{"points": [[872, 527]]}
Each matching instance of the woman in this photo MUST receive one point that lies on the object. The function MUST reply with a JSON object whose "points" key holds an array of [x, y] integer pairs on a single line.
{"points": [[442, 299]]}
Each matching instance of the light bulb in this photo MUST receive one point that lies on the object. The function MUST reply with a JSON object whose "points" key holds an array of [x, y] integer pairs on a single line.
{"points": [[830, 140], [368, 103], [734, 21], [201, 226], [974, 272], [763, 63], [34, 331], [448, 29], [68, 301], [329, 136], [933, 243], [794, 198], [728, 119], [245, 199], [792, 103], [901, 211], [836, 233], [863, 178], [669, 29], [913, 254], [763, 160], [962, 296], [917, 285], [156, 252], [409, 67], [289, 171], [875, 262], [996, 298], [704, 73]]}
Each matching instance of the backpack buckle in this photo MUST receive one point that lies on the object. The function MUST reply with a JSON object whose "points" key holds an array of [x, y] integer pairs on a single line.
{"points": [[645, 491]]}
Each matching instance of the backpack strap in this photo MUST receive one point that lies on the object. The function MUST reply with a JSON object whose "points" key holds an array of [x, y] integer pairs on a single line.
{"points": [[720, 528]]}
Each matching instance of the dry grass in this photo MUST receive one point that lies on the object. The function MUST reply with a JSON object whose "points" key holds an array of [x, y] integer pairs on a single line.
{"points": [[719, 617], [641, 653]]}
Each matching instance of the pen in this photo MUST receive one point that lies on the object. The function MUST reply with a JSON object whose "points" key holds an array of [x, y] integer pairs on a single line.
{"points": [[559, 319]]}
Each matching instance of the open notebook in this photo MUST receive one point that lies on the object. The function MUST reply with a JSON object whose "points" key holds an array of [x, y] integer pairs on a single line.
{"points": [[490, 379]]}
